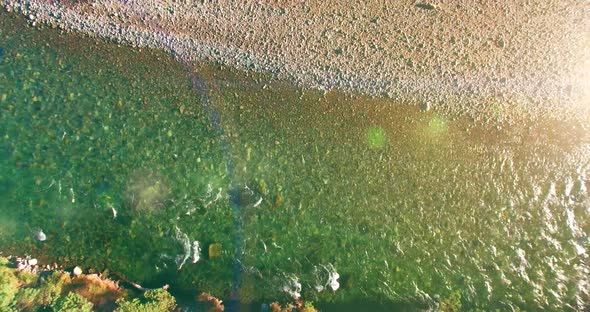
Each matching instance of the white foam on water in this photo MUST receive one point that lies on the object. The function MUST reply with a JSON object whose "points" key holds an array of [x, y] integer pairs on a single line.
{"points": [[569, 186], [571, 222], [292, 287], [552, 241], [488, 284], [186, 244], [326, 277], [196, 251], [333, 280]]}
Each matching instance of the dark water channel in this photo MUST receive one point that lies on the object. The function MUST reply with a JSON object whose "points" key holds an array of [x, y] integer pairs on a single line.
{"points": [[125, 163]]}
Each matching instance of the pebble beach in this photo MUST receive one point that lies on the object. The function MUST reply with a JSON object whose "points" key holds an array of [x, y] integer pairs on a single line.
{"points": [[492, 61]]}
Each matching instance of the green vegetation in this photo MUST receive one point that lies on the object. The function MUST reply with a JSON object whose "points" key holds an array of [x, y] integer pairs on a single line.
{"points": [[157, 300], [72, 303], [60, 293], [9, 285], [308, 307], [452, 303]]}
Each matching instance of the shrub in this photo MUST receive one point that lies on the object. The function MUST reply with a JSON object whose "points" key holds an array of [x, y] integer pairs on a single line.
{"points": [[158, 300], [28, 299], [8, 285], [452, 303], [72, 303]]}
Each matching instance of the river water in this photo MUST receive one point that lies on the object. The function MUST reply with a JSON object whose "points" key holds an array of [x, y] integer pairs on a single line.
{"points": [[125, 159]]}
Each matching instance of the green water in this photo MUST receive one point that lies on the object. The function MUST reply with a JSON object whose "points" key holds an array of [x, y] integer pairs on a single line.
{"points": [[407, 206]]}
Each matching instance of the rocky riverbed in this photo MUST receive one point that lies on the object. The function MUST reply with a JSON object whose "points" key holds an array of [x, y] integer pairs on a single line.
{"points": [[343, 198], [495, 62]]}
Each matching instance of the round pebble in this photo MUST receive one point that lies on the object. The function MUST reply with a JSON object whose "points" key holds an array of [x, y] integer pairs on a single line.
{"points": [[40, 236], [77, 271]]}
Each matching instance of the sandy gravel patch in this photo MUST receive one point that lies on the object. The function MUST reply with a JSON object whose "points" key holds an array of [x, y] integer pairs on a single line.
{"points": [[503, 60]]}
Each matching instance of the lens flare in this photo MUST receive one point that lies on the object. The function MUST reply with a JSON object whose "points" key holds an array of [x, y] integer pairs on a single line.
{"points": [[376, 137]]}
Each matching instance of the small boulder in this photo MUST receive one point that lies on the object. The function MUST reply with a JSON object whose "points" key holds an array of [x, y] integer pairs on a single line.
{"points": [[214, 251], [77, 271], [21, 265], [40, 236]]}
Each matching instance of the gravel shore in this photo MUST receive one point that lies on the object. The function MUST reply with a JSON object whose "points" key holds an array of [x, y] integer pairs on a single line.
{"points": [[501, 60]]}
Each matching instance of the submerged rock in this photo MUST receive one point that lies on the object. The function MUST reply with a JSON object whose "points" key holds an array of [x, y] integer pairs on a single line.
{"points": [[214, 251], [21, 265], [425, 6], [146, 190], [243, 196], [40, 236], [425, 106]]}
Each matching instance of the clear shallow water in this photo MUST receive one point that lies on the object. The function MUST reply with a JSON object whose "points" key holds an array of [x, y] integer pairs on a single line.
{"points": [[294, 185]]}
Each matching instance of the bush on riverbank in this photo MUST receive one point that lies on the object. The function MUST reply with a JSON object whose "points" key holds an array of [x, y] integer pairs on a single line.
{"points": [[158, 300], [57, 291]]}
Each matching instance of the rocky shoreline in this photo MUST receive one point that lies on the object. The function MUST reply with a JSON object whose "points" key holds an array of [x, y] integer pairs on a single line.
{"points": [[30, 264], [36, 286], [501, 62]]}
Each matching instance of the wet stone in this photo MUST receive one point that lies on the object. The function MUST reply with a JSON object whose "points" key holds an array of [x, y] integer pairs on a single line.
{"points": [[40, 235], [425, 106], [243, 196], [214, 251], [425, 6]]}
